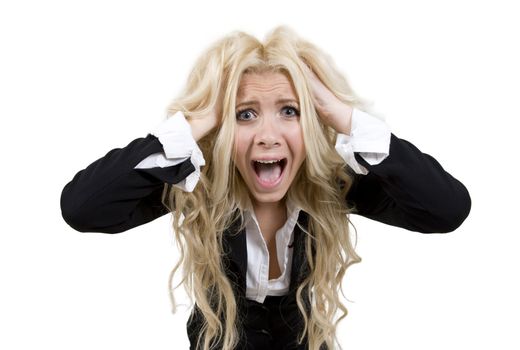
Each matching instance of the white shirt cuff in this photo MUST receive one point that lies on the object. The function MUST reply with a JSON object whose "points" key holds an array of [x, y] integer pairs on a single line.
{"points": [[369, 136], [178, 143]]}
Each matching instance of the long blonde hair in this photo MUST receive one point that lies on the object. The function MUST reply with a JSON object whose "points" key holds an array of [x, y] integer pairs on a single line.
{"points": [[201, 217]]}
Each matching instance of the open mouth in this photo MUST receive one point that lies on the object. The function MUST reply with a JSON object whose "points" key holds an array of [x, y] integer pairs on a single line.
{"points": [[269, 172]]}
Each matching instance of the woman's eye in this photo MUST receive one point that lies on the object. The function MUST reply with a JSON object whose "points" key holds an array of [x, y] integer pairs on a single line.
{"points": [[245, 115], [291, 111]]}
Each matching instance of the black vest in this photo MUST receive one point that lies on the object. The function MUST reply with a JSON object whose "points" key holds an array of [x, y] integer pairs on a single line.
{"points": [[277, 317]]}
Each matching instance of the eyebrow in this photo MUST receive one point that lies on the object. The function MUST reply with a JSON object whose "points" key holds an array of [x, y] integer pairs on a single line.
{"points": [[256, 103]]}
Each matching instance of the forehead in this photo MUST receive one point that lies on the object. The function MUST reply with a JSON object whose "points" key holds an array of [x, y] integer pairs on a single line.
{"points": [[254, 85]]}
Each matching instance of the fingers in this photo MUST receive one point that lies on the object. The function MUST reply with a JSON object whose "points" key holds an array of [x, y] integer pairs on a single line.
{"points": [[331, 110]]}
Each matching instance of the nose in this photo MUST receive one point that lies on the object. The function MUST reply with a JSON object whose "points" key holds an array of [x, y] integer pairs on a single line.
{"points": [[268, 133]]}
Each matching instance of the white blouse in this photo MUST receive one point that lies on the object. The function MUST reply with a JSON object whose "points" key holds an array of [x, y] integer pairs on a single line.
{"points": [[370, 137]]}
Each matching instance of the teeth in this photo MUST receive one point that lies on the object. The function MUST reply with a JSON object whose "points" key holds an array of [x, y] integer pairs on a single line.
{"points": [[267, 161]]}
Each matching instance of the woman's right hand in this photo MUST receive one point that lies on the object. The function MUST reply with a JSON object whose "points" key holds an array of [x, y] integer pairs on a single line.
{"points": [[204, 124]]}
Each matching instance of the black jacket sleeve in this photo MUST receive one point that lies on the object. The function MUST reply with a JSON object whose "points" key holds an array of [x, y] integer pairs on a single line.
{"points": [[111, 196], [410, 189]]}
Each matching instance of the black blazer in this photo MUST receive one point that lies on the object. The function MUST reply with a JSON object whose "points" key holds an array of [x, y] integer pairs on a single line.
{"points": [[409, 189]]}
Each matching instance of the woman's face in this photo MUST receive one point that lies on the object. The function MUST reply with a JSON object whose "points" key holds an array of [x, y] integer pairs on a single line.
{"points": [[268, 141]]}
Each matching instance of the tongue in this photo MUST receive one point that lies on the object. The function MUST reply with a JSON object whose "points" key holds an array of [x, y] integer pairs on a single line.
{"points": [[269, 172]]}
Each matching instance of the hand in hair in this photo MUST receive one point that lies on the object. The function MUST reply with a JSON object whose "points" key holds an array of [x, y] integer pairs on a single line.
{"points": [[332, 111], [201, 125]]}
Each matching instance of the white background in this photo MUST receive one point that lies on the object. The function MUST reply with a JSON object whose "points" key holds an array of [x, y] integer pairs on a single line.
{"points": [[79, 78]]}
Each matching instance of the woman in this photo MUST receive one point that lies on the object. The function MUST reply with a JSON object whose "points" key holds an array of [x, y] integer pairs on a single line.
{"points": [[264, 156]]}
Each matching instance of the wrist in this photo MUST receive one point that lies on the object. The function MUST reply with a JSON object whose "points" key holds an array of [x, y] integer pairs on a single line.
{"points": [[342, 117], [200, 127]]}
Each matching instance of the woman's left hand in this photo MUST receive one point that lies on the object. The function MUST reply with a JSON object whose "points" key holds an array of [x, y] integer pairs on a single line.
{"points": [[332, 111]]}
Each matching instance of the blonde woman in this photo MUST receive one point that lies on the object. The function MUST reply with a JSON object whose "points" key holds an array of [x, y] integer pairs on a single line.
{"points": [[261, 161]]}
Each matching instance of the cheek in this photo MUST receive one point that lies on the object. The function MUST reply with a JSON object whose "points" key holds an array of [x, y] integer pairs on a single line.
{"points": [[295, 138]]}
